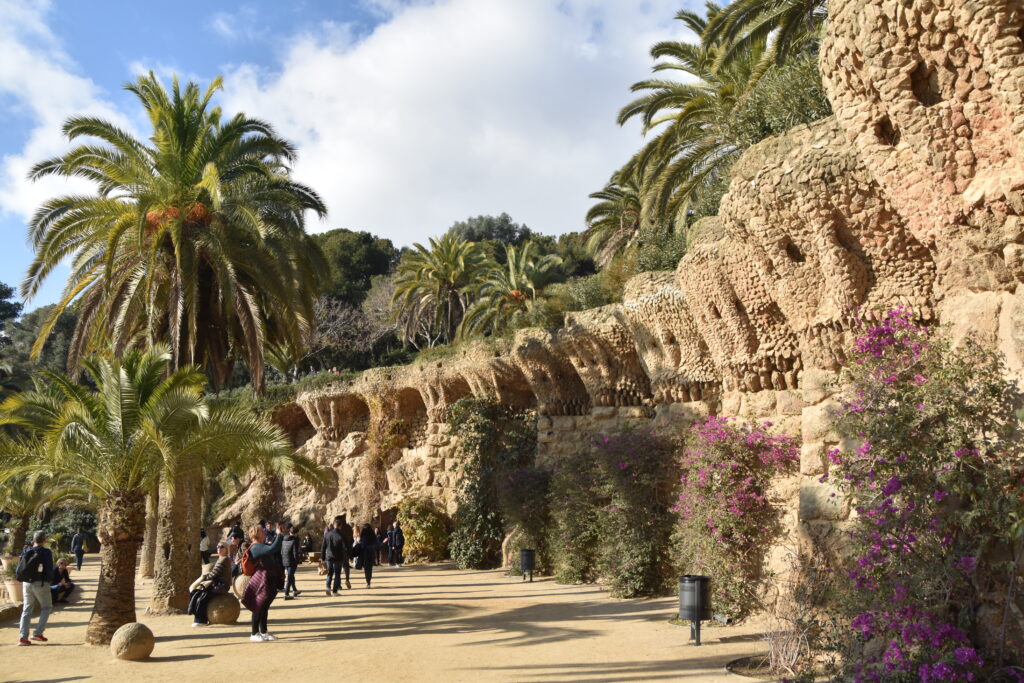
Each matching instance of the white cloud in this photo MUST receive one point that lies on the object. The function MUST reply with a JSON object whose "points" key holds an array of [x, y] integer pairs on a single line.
{"points": [[461, 107], [37, 76]]}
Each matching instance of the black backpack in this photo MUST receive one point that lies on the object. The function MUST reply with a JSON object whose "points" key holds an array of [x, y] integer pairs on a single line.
{"points": [[29, 566]]}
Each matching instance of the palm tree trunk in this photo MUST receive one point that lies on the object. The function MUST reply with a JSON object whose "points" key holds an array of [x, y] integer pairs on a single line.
{"points": [[149, 544], [176, 543], [121, 521], [19, 532]]}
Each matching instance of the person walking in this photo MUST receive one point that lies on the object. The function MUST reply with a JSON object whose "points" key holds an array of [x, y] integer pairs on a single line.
{"points": [[335, 553], [78, 548], [368, 551], [35, 569], [268, 529], [217, 580], [264, 583], [204, 546], [382, 544], [349, 535], [396, 542], [290, 560]]}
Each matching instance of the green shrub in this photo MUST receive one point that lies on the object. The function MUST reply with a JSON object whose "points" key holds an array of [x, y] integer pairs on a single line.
{"points": [[426, 529], [638, 475], [575, 521], [522, 495], [493, 441]]}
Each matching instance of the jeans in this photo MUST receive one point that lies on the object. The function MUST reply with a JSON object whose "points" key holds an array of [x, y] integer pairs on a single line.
{"points": [[334, 572], [289, 580], [35, 592]]}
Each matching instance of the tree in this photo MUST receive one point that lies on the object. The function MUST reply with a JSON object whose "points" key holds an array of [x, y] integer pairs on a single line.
{"points": [[195, 237], [508, 290], [614, 222], [432, 289], [142, 423], [791, 28], [499, 228], [354, 258], [29, 495]]}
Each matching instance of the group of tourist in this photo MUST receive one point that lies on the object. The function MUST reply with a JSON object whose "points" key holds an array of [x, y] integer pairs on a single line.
{"points": [[44, 583], [270, 555]]}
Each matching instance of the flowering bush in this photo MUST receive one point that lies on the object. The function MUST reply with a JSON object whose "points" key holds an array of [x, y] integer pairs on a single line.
{"points": [[725, 517], [937, 529], [637, 477], [575, 519]]}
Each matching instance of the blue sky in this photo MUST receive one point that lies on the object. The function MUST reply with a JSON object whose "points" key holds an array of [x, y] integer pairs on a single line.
{"points": [[409, 115]]}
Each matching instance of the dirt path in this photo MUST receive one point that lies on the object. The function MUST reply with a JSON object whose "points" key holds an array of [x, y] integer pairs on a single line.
{"points": [[418, 623]]}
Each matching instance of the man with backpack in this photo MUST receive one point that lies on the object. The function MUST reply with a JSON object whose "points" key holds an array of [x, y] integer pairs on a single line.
{"points": [[34, 571]]}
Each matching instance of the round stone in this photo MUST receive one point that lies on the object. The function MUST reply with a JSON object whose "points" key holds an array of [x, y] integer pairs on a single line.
{"points": [[223, 608], [239, 584], [132, 641]]}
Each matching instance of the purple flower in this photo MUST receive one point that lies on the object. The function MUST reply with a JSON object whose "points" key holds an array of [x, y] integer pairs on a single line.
{"points": [[966, 564], [892, 486], [938, 495]]}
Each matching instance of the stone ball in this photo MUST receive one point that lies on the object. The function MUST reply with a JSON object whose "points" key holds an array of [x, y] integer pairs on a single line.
{"points": [[239, 584], [223, 608], [132, 641]]}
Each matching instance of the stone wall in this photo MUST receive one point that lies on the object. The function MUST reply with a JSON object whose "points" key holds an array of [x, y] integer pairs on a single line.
{"points": [[909, 196]]}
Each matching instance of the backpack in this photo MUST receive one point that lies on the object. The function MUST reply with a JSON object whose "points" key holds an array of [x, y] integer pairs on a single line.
{"points": [[247, 564], [30, 566]]}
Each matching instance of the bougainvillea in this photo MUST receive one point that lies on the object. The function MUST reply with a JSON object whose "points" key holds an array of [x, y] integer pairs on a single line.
{"points": [[636, 476], [932, 481], [724, 513]]}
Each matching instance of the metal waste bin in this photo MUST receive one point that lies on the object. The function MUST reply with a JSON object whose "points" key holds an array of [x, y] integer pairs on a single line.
{"points": [[695, 602], [527, 562]]}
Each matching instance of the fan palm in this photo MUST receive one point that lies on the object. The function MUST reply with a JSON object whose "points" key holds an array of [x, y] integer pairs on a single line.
{"points": [[139, 425], [433, 288], [194, 237], [508, 289]]}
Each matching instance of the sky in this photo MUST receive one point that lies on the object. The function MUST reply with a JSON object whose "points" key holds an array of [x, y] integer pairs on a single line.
{"points": [[408, 115]]}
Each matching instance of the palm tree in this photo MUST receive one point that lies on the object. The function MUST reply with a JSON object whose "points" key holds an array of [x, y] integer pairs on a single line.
{"points": [[26, 496], [508, 289], [789, 27], [432, 288], [140, 424], [691, 149], [614, 223], [194, 237]]}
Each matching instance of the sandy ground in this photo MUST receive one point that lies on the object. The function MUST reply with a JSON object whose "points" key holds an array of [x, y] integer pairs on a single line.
{"points": [[418, 623]]}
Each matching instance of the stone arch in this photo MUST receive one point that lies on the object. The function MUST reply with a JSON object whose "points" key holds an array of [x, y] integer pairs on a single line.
{"points": [[411, 409]]}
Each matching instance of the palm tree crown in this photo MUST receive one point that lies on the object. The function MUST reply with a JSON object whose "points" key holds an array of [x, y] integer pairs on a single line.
{"points": [[195, 236]]}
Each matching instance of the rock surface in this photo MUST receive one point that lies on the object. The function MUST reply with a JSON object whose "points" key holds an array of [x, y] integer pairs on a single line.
{"points": [[132, 642]]}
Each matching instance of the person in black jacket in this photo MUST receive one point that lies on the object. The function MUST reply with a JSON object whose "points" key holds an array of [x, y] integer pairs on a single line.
{"points": [[396, 542], [368, 551], [335, 553], [289, 560], [346, 531]]}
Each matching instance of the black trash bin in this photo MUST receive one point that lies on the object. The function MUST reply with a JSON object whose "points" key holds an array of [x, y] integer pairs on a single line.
{"points": [[527, 562], [695, 602]]}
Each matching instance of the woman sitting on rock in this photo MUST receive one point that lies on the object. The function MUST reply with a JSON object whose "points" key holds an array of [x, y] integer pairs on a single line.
{"points": [[217, 580]]}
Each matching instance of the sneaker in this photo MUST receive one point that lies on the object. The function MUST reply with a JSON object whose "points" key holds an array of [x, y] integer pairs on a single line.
{"points": [[367, 584], [199, 624], [288, 597], [40, 637], [24, 641], [335, 593], [256, 638], [348, 584], [298, 593], [329, 593], [268, 636]]}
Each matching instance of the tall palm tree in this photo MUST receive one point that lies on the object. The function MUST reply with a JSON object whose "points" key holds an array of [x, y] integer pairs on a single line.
{"points": [[508, 289], [432, 288], [789, 27], [140, 424], [194, 237], [614, 223], [690, 149]]}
